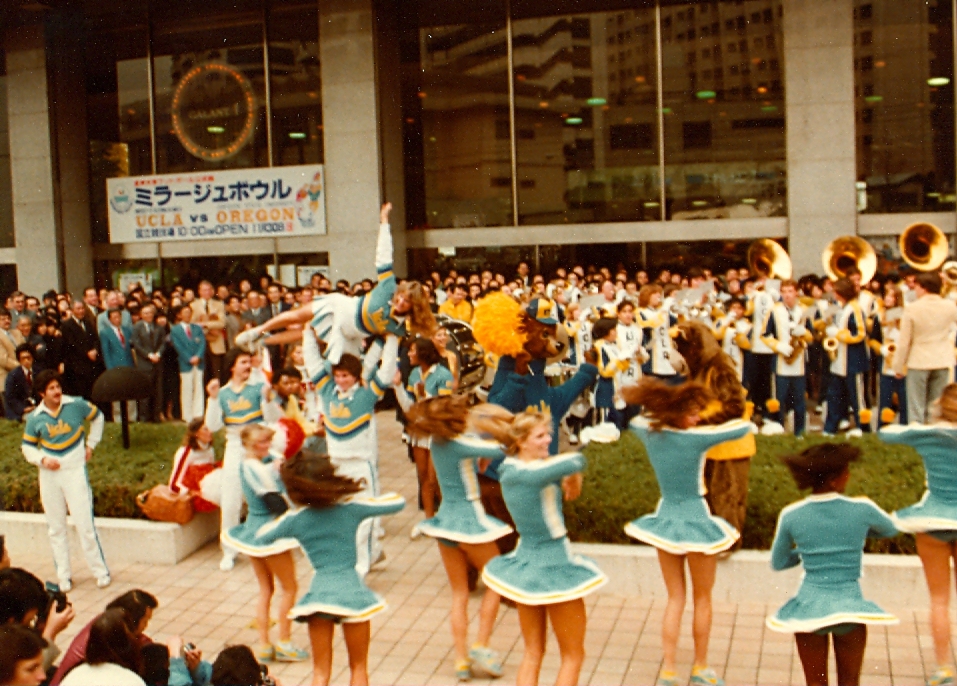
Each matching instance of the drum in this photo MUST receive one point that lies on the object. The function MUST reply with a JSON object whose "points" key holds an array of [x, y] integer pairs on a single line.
{"points": [[470, 354]]}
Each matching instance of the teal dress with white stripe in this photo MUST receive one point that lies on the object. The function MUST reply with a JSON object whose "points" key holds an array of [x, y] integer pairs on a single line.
{"points": [[826, 534], [682, 522], [328, 537], [542, 570], [257, 480], [461, 516], [937, 446]]}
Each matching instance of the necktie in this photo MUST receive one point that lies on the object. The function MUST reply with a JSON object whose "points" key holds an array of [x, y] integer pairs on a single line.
{"points": [[29, 378], [122, 338]]}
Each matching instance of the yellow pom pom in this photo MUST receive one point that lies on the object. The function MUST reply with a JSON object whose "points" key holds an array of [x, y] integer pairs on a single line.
{"points": [[773, 405], [497, 325], [865, 416], [888, 416]]}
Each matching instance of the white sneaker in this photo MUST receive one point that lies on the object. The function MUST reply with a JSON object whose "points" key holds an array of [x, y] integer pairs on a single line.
{"points": [[855, 433], [572, 439], [415, 533], [102, 582], [227, 563], [380, 562], [66, 585], [250, 340]]}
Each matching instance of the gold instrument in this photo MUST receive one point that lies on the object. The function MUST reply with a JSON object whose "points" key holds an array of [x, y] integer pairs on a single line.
{"points": [[948, 273], [846, 252], [798, 345], [923, 246], [768, 259], [830, 346]]}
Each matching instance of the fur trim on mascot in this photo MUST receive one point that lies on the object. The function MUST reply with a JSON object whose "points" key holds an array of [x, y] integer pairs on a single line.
{"points": [[525, 339]]}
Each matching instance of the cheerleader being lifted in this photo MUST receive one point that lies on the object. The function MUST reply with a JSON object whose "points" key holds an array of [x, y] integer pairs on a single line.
{"points": [[342, 322]]}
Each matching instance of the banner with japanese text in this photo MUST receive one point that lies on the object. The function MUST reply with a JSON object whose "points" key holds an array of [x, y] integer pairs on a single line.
{"points": [[234, 203]]}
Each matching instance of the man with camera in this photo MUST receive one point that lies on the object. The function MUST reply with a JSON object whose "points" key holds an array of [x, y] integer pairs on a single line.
{"points": [[26, 601]]}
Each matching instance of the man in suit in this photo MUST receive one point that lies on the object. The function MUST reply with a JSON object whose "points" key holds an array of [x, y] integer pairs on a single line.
{"points": [[114, 301], [256, 315], [8, 355], [925, 347], [18, 388], [190, 344], [81, 352], [274, 307], [91, 300], [115, 344], [210, 314], [149, 343]]}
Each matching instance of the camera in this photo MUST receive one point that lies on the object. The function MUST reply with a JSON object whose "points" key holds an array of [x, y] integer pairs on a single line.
{"points": [[55, 597], [188, 648]]}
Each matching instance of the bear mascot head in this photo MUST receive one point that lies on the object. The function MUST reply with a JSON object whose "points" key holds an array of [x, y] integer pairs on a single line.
{"points": [[503, 327], [701, 359]]}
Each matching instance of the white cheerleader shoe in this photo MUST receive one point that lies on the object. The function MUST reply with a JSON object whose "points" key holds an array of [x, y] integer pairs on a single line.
{"points": [[251, 340], [772, 429]]}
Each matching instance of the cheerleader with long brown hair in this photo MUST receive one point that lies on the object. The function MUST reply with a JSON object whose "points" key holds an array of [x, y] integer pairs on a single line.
{"points": [[682, 527]]}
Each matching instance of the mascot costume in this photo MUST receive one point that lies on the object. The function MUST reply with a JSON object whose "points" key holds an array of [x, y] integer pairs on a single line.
{"points": [[523, 340], [728, 464]]}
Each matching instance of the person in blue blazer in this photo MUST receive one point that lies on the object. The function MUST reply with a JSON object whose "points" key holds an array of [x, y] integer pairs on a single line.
{"points": [[115, 340], [18, 390], [189, 342]]}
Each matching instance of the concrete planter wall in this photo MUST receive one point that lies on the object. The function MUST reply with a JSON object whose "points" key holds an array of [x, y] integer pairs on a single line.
{"points": [[123, 540]]}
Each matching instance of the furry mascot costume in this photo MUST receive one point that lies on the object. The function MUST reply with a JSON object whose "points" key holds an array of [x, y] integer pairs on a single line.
{"points": [[523, 339], [728, 465]]}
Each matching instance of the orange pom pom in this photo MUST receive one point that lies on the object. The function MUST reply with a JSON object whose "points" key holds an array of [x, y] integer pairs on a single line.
{"points": [[865, 416], [497, 325], [888, 415], [773, 405]]}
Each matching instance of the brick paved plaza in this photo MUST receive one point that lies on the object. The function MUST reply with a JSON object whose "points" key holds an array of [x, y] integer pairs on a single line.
{"points": [[411, 642]]}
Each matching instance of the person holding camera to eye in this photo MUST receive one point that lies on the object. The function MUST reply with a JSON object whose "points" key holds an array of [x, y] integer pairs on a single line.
{"points": [[46, 610]]}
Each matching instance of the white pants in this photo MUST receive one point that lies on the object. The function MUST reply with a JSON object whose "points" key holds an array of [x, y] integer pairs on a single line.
{"points": [[130, 408], [191, 394], [368, 547], [231, 497], [334, 317], [60, 491]]}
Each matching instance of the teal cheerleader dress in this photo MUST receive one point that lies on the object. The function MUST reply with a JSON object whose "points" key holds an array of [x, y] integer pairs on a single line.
{"points": [[936, 512], [328, 537], [257, 479], [682, 522], [461, 517], [826, 534], [542, 570]]}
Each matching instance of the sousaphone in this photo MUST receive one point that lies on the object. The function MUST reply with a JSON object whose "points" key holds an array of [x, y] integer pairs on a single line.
{"points": [[769, 260], [847, 252], [924, 247]]}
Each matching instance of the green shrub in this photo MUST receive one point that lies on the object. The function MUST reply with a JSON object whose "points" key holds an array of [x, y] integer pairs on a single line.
{"points": [[620, 486]]}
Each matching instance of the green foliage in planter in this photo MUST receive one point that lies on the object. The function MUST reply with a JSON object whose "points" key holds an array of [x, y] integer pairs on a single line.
{"points": [[620, 485]]}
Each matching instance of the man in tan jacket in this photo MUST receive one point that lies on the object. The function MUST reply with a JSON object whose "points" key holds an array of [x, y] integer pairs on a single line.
{"points": [[210, 314], [8, 356], [925, 349]]}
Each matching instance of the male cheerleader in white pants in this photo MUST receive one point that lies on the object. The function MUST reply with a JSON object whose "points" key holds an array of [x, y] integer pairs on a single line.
{"points": [[53, 441]]}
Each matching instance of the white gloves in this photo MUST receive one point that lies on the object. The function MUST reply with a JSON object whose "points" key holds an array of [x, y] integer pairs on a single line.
{"points": [[785, 349]]}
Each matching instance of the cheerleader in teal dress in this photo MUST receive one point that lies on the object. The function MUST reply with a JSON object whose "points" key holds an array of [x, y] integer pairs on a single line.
{"points": [[325, 524], [933, 520], [682, 527], [465, 533], [826, 532], [271, 562], [544, 578]]}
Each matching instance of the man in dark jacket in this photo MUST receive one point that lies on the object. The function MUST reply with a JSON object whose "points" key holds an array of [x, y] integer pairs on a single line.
{"points": [[81, 353]]}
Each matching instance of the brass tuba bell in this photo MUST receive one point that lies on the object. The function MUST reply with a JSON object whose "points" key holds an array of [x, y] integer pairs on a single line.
{"points": [[768, 259], [846, 252], [923, 246], [948, 273]]}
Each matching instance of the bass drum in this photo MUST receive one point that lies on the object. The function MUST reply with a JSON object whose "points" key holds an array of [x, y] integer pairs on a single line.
{"points": [[470, 354]]}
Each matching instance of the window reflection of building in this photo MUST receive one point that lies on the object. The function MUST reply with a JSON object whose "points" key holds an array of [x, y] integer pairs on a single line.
{"points": [[904, 91]]}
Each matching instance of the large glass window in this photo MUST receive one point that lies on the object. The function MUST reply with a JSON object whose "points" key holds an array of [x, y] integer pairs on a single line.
{"points": [[723, 78], [456, 102], [585, 117], [904, 90], [6, 188]]}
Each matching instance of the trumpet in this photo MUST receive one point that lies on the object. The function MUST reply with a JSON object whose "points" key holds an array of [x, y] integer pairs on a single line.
{"points": [[830, 346]]}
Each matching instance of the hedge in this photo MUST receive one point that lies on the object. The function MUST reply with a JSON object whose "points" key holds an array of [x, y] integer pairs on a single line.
{"points": [[619, 482], [620, 485]]}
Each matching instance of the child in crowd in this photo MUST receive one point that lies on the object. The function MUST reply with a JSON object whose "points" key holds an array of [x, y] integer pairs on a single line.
{"points": [[682, 527], [544, 578], [826, 532], [193, 461], [265, 502], [325, 524], [466, 535], [933, 520]]}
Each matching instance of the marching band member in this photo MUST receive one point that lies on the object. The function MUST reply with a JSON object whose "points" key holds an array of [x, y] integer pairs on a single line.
{"points": [[846, 386], [629, 342], [885, 330], [238, 404], [612, 365], [788, 336], [656, 321], [760, 363], [732, 333]]}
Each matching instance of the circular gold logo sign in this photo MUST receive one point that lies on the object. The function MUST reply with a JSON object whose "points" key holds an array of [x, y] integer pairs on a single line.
{"points": [[214, 111]]}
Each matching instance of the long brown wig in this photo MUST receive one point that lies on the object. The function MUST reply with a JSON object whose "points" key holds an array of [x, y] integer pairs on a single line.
{"points": [[311, 480], [444, 417], [421, 320], [666, 405]]}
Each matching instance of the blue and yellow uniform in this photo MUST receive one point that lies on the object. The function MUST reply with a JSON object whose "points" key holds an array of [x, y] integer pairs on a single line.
{"points": [[461, 516], [845, 390], [826, 534], [542, 570], [59, 434], [258, 479], [936, 512], [328, 537], [436, 381], [682, 522], [611, 365]]}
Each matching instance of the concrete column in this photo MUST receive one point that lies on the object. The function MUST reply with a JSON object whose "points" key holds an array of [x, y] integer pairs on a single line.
{"points": [[350, 126], [819, 89], [31, 161]]}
